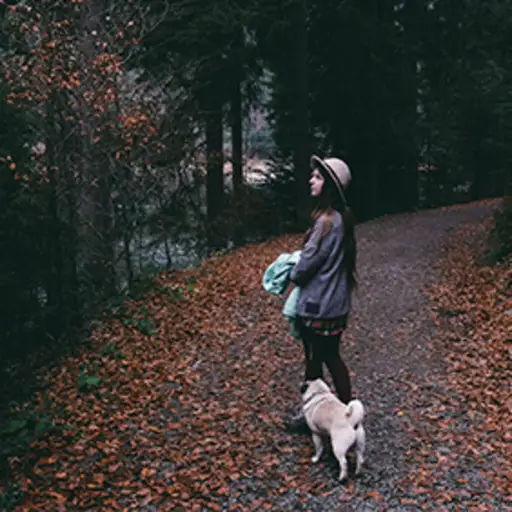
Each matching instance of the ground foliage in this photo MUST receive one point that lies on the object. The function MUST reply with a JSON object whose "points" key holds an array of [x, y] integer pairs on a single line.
{"points": [[132, 422], [464, 428]]}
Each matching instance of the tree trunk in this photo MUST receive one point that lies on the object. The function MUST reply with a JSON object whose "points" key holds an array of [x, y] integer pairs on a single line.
{"points": [[409, 187], [301, 141], [4, 39], [237, 136], [214, 170], [56, 313], [97, 181], [477, 129]]}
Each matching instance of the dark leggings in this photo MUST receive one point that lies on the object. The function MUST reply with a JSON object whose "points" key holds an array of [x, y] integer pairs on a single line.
{"points": [[320, 349]]}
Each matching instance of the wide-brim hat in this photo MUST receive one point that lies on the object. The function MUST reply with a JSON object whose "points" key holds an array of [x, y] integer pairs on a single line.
{"points": [[337, 170]]}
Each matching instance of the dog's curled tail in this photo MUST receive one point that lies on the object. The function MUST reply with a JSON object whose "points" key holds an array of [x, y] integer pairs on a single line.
{"points": [[355, 412]]}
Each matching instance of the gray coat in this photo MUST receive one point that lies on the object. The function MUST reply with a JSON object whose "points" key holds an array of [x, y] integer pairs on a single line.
{"points": [[324, 287]]}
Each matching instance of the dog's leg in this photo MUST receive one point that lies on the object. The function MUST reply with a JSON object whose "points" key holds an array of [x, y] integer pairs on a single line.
{"points": [[343, 468], [360, 447], [319, 448], [340, 446]]}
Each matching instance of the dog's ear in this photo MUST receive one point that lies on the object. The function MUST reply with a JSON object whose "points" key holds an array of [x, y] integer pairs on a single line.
{"points": [[304, 388]]}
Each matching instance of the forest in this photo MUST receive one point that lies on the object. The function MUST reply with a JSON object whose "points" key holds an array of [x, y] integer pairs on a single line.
{"points": [[143, 135]]}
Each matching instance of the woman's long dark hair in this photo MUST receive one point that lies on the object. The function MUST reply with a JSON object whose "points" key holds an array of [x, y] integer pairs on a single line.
{"points": [[328, 201]]}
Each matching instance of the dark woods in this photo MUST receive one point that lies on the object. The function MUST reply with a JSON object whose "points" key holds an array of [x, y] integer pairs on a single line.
{"points": [[135, 136]]}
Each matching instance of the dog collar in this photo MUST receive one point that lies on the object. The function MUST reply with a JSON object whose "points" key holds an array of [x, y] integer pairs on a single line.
{"points": [[314, 395]]}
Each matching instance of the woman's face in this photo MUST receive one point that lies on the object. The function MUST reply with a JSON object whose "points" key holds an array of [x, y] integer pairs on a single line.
{"points": [[316, 182]]}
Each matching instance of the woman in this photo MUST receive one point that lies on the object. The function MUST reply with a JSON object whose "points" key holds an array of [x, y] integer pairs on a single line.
{"points": [[325, 274]]}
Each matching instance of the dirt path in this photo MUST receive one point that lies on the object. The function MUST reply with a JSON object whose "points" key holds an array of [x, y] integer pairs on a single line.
{"points": [[392, 339], [388, 348]]}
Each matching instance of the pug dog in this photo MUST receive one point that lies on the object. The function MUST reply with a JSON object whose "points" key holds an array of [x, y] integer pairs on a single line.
{"points": [[326, 415]]}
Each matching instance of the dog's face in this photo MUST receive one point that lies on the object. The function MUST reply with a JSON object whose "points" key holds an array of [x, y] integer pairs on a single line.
{"points": [[313, 386]]}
